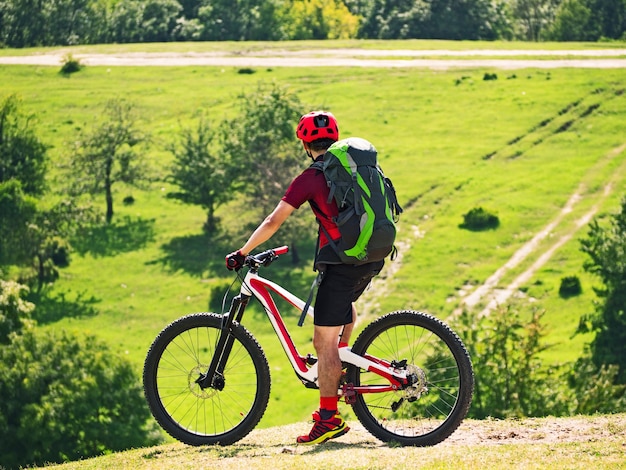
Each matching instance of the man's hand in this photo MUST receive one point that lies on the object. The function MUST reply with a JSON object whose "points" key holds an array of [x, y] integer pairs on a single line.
{"points": [[235, 260]]}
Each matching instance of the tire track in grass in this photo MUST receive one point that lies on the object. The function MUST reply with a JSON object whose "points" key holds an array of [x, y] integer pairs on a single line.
{"points": [[496, 297]]}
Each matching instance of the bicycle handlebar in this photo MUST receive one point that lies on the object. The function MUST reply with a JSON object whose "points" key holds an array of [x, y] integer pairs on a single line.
{"points": [[266, 257]]}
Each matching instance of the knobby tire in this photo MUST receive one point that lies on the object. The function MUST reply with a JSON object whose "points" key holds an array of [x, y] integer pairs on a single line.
{"points": [[178, 357], [430, 347]]}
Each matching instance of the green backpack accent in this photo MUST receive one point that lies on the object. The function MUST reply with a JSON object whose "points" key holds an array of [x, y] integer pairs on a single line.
{"points": [[366, 199]]}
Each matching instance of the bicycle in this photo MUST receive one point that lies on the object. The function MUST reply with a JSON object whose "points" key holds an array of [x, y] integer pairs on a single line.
{"points": [[408, 376]]}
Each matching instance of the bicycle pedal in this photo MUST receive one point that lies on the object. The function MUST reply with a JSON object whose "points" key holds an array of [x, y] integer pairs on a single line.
{"points": [[348, 393]]}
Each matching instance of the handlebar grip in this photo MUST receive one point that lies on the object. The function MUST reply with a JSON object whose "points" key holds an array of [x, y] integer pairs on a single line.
{"points": [[281, 250], [231, 263]]}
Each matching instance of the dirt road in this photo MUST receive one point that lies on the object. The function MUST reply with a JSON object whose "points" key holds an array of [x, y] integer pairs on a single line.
{"points": [[433, 59]]}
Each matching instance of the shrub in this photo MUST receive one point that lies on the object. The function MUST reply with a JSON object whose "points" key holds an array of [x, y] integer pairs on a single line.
{"points": [[70, 65], [67, 397], [480, 219], [570, 287]]}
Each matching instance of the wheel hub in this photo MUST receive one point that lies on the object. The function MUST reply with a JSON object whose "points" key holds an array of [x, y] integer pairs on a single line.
{"points": [[194, 386], [417, 376]]}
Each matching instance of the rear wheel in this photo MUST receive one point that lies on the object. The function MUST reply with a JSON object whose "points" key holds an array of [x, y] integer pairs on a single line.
{"points": [[431, 409], [179, 355]]}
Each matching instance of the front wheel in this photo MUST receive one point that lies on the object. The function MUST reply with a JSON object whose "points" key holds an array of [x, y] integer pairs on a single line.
{"points": [[179, 356], [430, 410]]}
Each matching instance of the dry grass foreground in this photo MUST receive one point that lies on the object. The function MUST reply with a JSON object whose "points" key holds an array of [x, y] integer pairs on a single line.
{"points": [[597, 442]]}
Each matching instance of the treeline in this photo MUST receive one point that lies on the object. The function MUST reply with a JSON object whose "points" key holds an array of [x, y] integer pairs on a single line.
{"points": [[27, 23]]}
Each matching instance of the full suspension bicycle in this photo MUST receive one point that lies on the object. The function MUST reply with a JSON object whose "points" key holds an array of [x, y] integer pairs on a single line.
{"points": [[408, 376]]}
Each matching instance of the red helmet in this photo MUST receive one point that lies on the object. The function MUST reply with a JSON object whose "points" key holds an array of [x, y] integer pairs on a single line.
{"points": [[317, 125]]}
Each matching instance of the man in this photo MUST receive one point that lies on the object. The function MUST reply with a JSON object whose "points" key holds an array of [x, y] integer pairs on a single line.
{"points": [[341, 284]]}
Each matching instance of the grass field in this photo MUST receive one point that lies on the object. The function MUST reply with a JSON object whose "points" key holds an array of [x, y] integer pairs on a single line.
{"points": [[520, 145]]}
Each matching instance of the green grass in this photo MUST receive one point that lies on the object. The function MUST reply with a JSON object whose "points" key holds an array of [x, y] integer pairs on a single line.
{"points": [[432, 129]]}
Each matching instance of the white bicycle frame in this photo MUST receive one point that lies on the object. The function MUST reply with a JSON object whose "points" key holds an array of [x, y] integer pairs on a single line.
{"points": [[261, 288]]}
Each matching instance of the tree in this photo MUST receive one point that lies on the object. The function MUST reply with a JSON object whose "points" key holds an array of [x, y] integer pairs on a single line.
{"points": [[533, 17], [109, 154], [572, 23], [66, 397], [125, 22], [265, 153], [200, 172], [319, 19], [36, 237], [239, 20], [606, 247], [22, 154], [159, 20]]}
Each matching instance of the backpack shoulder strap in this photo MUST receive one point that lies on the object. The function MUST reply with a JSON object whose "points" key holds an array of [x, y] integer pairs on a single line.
{"points": [[318, 165]]}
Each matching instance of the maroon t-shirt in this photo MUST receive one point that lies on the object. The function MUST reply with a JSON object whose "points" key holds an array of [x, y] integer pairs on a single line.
{"points": [[311, 186]]}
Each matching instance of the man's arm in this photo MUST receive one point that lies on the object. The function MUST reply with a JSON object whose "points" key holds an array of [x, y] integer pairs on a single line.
{"points": [[268, 227]]}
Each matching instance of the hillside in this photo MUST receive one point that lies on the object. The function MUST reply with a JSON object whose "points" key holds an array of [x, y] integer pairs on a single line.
{"points": [[597, 442], [510, 137]]}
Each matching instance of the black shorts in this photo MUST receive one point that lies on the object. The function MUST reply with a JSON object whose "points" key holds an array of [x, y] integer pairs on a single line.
{"points": [[341, 285]]}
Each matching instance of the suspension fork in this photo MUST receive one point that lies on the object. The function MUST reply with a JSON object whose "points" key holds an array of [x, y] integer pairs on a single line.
{"points": [[214, 376]]}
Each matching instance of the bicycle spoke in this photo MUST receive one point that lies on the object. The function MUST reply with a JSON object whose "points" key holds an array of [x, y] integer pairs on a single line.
{"points": [[426, 412], [190, 413]]}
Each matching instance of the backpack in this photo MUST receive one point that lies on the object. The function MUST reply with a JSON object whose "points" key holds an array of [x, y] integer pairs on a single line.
{"points": [[366, 199]]}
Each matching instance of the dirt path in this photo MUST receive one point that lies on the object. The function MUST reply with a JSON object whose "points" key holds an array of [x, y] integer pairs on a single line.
{"points": [[497, 297], [511, 59]]}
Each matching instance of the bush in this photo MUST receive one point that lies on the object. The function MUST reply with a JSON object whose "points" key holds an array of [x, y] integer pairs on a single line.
{"points": [[570, 287], [67, 397], [511, 381], [70, 65], [480, 219]]}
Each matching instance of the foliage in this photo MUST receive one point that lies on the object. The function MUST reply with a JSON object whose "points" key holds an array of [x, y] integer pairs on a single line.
{"points": [[15, 312], [66, 397], [571, 22], [18, 210], [594, 388], [570, 287], [24, 23], [510, 379], [436, 19], [70, 65], [201, 172], [480, 219], [533, 17], [37, 236], [110, 153], [606, 247], [588, 20], [239, 20], [265, 154], [22, 154], [48, 237], [319, 19]]}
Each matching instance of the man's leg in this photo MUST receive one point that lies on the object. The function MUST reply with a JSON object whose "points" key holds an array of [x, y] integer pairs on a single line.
{"points": [[325, 339], [328, 423]]}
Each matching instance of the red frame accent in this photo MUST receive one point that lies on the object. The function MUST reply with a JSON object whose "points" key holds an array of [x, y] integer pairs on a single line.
{"points": [[261, 289]]}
